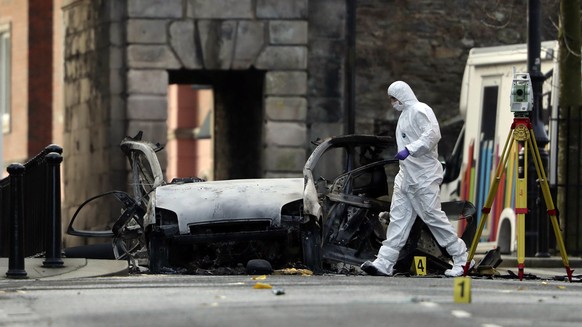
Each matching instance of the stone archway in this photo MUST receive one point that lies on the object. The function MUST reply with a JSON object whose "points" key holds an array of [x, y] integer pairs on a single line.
{"points": [[236, 42], [238, 118]]}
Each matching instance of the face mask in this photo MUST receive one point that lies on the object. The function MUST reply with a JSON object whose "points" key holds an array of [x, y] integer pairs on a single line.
{"points": [[397, 105]]}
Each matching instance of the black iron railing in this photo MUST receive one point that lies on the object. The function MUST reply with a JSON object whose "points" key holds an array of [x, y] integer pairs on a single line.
{"points": [[569, 192], [30, 212]]}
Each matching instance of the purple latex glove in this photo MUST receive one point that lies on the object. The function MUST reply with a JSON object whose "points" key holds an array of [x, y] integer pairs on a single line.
{"points": [[401, 155]]}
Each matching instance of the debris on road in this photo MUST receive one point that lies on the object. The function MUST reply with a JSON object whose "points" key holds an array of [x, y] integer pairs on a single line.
{"points": [[259, 285], [293, 271], [278, 291]]}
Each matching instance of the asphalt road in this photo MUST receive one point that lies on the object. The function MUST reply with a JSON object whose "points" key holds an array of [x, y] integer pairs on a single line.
{"points": [[329, 300]]}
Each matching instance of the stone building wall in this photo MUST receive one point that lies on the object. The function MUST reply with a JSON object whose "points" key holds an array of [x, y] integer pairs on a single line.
{"points": [[94, 105], [426, 43], [327, 68], [266, 35]]}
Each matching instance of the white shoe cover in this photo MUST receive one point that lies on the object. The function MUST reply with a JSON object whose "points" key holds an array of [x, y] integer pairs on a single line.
{"points": [[378, 267], [458, 270]]}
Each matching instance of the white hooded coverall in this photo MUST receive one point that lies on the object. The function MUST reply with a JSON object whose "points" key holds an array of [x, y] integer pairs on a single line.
{"points": [[416, 186]]}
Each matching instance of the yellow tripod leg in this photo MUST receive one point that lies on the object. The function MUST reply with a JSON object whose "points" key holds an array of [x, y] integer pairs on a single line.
{"points": [[549, 203], [521, 210], [489, 201]]}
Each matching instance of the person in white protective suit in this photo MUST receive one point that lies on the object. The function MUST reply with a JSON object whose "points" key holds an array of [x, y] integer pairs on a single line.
{"points": [[416, 186]]}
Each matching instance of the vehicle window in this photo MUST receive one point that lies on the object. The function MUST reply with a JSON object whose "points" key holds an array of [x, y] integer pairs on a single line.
{"points": [[366, 154], [340, 160], [5, 81], [375, 181], [331, 164], [371, 182]]}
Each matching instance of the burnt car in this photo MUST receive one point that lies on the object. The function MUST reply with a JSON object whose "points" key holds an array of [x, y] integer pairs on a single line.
{"points": [[337, 213]]}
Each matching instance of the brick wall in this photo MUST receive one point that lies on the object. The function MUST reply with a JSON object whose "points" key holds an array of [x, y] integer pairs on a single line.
{"points": [[57, 73], [40, 72], [31, 28], [15, 13]]}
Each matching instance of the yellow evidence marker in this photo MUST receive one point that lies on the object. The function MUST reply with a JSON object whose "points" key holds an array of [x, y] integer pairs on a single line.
{"points": [[419, 266], [462, 289]]}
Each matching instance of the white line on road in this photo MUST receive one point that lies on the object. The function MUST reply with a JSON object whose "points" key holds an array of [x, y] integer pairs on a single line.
{"points": [[461, 314]]}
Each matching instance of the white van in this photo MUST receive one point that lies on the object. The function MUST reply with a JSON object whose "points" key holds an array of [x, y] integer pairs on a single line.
{"points": [[485, 107]]}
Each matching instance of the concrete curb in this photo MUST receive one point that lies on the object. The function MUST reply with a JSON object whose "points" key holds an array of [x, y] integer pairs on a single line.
{"points": [[86, 268]]}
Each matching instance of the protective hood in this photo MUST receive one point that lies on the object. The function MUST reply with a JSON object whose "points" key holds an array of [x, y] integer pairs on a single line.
{"points": [[402, 92]]}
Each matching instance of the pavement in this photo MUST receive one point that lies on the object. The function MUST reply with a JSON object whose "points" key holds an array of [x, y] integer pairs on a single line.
{"points": [[74, 268]]}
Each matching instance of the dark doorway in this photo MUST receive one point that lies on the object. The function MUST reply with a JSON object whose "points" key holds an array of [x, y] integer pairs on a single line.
{"points": [[238, 119]]}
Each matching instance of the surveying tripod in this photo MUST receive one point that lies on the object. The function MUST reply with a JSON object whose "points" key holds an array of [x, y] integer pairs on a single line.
{"points": [[521, 132]]}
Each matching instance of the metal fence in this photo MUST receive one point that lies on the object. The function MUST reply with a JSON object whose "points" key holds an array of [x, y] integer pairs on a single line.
{"points": [[30, 212]]}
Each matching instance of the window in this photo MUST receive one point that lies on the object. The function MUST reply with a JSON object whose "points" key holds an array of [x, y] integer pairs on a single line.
{"points": [[5, 77]]}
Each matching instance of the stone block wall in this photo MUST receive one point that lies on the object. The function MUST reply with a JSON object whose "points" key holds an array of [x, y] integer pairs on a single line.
{"points": [[327, 60], [426, 43], [267, 35], [14, 21], [94, 111]]}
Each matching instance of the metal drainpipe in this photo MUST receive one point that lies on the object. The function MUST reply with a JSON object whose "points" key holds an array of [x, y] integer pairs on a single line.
{"points": [[538, 229]]}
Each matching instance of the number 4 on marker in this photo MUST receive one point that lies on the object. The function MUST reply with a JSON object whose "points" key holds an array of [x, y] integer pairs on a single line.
{"points": [[420, 266]]}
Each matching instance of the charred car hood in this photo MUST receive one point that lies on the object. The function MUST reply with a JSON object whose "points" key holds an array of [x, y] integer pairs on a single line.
{"points": [[229, 200]]}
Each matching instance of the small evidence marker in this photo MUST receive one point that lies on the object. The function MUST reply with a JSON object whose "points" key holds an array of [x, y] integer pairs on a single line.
{"points": [[462, 289], [419, 267]]}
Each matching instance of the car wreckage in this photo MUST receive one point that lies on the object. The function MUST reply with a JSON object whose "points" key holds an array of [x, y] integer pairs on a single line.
{"points": [[335, 215]]}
